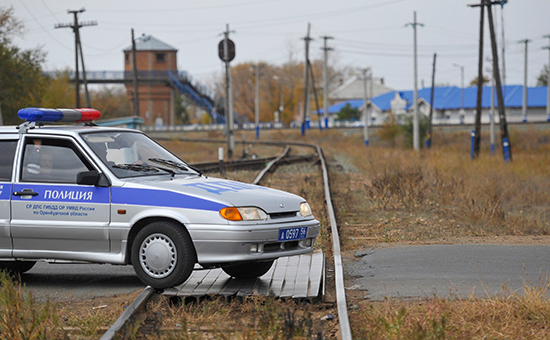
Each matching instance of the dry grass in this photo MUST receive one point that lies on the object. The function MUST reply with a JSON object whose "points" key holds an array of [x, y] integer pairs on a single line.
{"points": [[509, 315], [256, 317], [401, 195], [21, 318]]}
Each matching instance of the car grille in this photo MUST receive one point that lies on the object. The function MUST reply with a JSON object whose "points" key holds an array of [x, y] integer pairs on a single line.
{"points": [[287, 214]]}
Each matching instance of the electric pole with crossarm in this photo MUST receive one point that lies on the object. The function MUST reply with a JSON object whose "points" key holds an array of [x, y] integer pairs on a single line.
{"points": [[78, 50]]}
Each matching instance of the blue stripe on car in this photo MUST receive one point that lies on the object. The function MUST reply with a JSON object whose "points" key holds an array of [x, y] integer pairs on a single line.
{"points": [[5, 189], [162, 198]]}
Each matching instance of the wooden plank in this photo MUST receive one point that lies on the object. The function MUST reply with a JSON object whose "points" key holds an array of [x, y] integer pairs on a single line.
{"points": [[262, 286], [232, 286], [247, 287], [290, 277], [208, 281], [192, 283], [297, 276], [302, 277], [278, 278], [221, 281], [316, 274]]}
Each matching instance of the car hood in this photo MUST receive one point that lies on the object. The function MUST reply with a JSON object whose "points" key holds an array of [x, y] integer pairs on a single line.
{"points": [[225, 192]]}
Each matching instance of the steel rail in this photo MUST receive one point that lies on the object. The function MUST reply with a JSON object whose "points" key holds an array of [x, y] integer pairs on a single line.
{"points": [[128, 314], [270, 165], [345, 329]]}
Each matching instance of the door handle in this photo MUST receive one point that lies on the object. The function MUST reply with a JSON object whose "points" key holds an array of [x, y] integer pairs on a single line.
{"points": [[25, 192]]}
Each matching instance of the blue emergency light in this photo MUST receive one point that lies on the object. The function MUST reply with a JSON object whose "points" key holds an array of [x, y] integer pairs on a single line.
{"points": [[33, 114]]}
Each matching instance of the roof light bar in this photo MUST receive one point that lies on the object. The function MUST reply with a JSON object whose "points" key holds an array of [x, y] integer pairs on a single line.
{"points": [[33, 114]]}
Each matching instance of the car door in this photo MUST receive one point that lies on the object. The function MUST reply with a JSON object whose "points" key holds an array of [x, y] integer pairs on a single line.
{"points": [[8, 145], [53, 216]]}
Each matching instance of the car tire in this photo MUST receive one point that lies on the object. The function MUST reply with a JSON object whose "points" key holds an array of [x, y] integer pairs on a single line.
{"points": [[19, 267], [247, 270], [163, 255]]}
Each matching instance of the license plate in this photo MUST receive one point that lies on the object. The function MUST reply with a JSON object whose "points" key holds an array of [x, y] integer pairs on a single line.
{"points": [[291, 234]]}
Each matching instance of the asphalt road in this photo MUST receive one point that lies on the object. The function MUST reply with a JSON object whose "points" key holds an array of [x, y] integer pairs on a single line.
{"points": [[448, 270], [79, 281], [398, 272]]}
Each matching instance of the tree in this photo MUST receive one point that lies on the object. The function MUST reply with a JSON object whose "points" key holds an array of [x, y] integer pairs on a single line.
{"points": [[390, 129], [280, 85], [58, 90], [407, 128], [21, 83], [542, 79], [111, 101], [474, 81], [349, 113], [182, 109]]}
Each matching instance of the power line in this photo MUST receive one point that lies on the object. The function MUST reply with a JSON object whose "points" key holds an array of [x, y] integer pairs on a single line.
{"points": [[43, 28]]}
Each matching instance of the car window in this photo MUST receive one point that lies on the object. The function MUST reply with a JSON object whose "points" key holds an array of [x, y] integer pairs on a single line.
{"points": [[52, 160], [131, 154], [7, 155]]}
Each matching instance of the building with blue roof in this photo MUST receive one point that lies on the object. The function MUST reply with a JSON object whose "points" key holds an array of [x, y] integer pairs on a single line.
{"points": [[447, 104]]}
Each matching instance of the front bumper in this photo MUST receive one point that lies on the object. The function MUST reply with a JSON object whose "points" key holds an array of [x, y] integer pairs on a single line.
{"points": [[217, 244]]}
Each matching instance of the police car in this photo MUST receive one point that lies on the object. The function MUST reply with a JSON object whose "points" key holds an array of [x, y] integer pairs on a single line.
{"points": [[83, 193]]}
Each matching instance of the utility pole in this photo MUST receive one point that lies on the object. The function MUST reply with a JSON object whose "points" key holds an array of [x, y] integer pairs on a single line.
{"points": [[416, 127], [136, 79], [325, 76], [315, 95], [548, 79], [281, 97], [78, 48], [307, 39], [492, 118], [502, 3], [524, 106], [505, 137], [461, 112], [229, 95], [365, 74], [477, 136], [429, 137], [257, 101]]}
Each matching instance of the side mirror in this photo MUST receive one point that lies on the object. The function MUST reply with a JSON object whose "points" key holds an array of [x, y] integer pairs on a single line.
{"points": [[92, 177]]}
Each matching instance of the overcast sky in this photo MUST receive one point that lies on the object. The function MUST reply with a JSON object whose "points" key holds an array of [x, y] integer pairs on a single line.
{"points": [[367, 33]]}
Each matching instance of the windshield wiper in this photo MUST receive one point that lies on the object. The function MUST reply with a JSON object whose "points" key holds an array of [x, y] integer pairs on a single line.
{"points": [[143, 168], [181, 166], [195, 169]]}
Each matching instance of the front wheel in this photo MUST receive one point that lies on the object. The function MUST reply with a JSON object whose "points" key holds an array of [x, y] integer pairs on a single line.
{"points": [[163, 255], [247, 269]]}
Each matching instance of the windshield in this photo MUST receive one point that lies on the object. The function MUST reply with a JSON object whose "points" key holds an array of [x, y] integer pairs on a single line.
{"points": [[131, 154]]}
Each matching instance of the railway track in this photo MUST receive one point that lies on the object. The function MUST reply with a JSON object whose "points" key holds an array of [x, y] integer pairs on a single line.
{"points": [[136, 310]]}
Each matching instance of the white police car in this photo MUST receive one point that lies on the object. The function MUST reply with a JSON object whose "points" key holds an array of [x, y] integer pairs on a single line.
{"points": [[106, 195]]}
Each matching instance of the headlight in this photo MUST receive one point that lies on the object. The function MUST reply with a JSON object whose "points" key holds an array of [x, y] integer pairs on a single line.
{"points": [[305, 209], [243, 214]]}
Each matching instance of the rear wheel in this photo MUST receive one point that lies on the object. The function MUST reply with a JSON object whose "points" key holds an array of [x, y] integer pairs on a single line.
{"points": [[17, 266], [163, 255], [248, 269]]}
